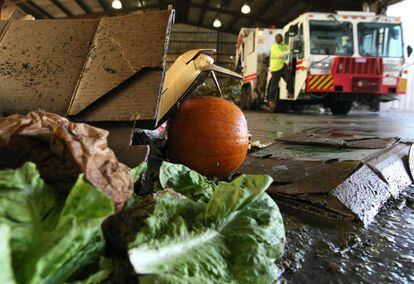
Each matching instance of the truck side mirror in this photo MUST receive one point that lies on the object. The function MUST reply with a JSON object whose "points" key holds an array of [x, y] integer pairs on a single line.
{"points": [[297, 46], [409, 50], [293, 30]]}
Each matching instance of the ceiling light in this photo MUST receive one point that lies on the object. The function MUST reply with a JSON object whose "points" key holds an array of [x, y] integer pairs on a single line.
{"points": [[245, 9], [217, 23], [117, 4]]}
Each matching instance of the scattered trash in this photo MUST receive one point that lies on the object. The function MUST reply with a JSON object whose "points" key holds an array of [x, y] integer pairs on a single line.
{"points": [[411, 161], [401, 202], [354, 189], [340, 139], [335, 267], [259, 144]]}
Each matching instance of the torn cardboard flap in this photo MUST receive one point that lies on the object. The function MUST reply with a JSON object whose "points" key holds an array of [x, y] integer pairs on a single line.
{"points": [[331, 137], [41, 62], [188, 72], [344, 189], [123, 46], [79, 67]]}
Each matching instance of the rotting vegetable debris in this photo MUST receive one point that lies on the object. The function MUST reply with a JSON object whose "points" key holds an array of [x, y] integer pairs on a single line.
{"points": [[189, 230], [61, 151]]}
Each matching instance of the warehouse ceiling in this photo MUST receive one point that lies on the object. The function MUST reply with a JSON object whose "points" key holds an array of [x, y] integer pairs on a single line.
{"points": [[202, 13]]}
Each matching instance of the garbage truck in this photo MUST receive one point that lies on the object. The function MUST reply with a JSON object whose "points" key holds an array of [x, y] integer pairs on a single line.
{"points": [[343, 57], [252, 61]]}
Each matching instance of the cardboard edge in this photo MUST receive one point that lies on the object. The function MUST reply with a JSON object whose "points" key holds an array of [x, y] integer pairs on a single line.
{"points": [[171, 21], [197, 82], [134, 155], [120, 141], [82, 73], [192, 54], [157, 67], [110, 93], [5, 29], [221, 70]]}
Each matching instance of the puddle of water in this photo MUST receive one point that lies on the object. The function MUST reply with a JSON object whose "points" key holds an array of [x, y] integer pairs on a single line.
{"points": [[320, 251]]}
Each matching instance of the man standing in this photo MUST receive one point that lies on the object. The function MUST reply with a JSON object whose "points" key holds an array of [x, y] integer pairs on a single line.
{"points": [[278, 54]]}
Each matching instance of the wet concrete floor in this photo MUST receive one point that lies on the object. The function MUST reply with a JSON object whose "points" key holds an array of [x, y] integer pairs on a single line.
{"points": [[268, 125], [328, 251]]}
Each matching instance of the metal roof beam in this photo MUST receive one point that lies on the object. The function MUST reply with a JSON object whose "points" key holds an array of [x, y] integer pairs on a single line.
{"points": [[40, 9], [84, 7], [265, 8], [62, 8], [186, 8], [335, 5], [182, 9], [105, 5], [115, 12], [226, 12], [30, 10], [202, 12], [161, 4]]}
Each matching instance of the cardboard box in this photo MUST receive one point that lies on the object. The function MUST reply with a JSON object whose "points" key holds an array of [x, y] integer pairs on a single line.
{"points": [[108, 72]]}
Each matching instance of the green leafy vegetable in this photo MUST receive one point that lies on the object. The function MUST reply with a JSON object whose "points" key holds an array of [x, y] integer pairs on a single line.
{"points": [[51, 236], [6, 270], [106, 268], [186, 181], [232, 237], [137, 172]]}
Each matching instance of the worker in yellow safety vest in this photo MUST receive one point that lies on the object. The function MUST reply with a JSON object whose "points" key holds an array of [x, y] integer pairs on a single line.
{"points": [[278, 55]]}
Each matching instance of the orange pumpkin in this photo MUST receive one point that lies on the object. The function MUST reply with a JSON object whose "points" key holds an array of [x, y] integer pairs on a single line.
{"points": [[208, 135]]}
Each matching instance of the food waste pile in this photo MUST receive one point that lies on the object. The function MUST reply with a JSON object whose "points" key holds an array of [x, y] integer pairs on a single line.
{"points": [[71, 213]]}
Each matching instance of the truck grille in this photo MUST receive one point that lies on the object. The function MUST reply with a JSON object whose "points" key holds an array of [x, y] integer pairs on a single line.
{"points": [[359, 66], [364, 84]]}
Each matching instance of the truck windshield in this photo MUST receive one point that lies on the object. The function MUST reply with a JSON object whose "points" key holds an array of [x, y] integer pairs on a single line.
{"points": [[380, 40], [330, 37]]}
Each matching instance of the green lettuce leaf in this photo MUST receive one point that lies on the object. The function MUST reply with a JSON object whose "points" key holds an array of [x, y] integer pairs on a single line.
{"points": [[52, 236], [6, 270], [186, 181], [106, 268], [234, 237], [137, 172]]}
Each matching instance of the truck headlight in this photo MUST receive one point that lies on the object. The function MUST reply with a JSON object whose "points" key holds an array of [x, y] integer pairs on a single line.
{"points": [[324, 68], [392, 69]]}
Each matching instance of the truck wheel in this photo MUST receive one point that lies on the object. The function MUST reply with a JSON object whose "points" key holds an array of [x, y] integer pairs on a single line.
{"points": [[246, 98], [297, 108], [375, 106], [341, 107]]}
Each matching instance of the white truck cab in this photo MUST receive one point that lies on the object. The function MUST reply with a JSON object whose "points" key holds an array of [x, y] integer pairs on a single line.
{"points": [[343, 57]]}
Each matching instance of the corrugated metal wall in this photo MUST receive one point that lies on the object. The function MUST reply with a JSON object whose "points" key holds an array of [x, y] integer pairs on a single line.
{"points": [[186, 37]]}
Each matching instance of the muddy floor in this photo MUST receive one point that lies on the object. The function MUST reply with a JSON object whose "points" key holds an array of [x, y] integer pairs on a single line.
{"points": [[328, 251]]}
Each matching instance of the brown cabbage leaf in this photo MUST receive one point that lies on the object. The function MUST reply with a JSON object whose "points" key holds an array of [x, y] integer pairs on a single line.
{"points": [[62, 150]]}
